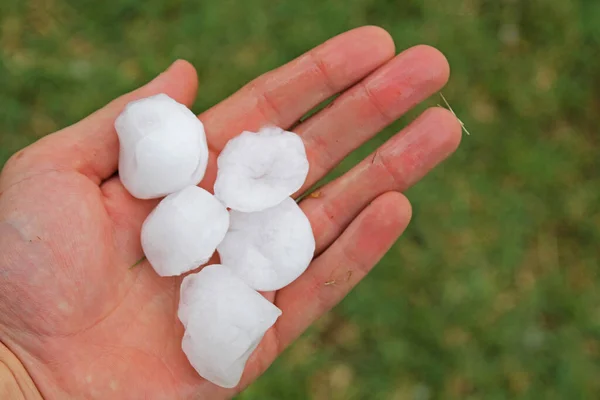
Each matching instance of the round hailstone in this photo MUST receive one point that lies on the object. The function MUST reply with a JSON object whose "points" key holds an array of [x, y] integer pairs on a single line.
{"points": [[162, 147], [183, 231], [225, 320], [258, 170], [268, 249]]}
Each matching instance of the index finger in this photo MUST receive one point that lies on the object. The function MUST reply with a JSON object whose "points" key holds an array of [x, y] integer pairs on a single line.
{"points": [[283, 95]]}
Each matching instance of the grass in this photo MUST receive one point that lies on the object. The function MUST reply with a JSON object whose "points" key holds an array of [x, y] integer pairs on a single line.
{"points": [[493, 292]]}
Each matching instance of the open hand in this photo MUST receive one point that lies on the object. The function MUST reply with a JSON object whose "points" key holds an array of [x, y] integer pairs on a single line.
{"points": [[86, 325]]}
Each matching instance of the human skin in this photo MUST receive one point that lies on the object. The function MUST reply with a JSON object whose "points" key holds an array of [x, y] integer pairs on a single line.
{"points": [[76, 319]]}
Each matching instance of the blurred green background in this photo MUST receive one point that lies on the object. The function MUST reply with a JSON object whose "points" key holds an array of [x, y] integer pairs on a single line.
{"points": [[493, 292]]}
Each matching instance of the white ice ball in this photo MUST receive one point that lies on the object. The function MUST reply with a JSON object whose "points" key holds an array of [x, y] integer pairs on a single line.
{"points": [[162, 147], [268, 249], [183, 231], [259, 170], [225, 320]]}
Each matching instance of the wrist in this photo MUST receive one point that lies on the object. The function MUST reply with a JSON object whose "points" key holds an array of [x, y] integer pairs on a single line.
{"points": [[15, 382]]}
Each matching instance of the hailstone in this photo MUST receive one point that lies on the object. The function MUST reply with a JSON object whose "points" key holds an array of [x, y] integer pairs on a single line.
{"points": [[162, 147], [224, 321], [259, 170], [183, 231], [268, 249]]}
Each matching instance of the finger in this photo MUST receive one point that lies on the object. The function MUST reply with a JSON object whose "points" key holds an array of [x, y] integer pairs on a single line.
{"points": [[367, 108], [328, 279], [331, 276], [91, 146], [395, 166], [284, 95]]}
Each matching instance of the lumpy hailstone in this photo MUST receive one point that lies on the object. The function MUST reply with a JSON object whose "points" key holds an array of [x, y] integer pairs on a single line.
{"points": [[225, 321], [268, 249], [259, 170], [183, 231], [162, 147]]}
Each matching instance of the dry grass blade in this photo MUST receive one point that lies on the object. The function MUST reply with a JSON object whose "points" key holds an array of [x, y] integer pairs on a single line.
{"points": [[452, 111], [138, 262]]}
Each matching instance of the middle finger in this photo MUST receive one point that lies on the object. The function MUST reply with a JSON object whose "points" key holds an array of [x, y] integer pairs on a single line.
{"points": [[368, 107]]}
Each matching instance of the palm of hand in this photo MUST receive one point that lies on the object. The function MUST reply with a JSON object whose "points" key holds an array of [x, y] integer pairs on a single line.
{"points": [[87, 326]]}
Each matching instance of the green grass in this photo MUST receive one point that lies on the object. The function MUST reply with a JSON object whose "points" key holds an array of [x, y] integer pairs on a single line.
{"points": [[493, 292]]}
